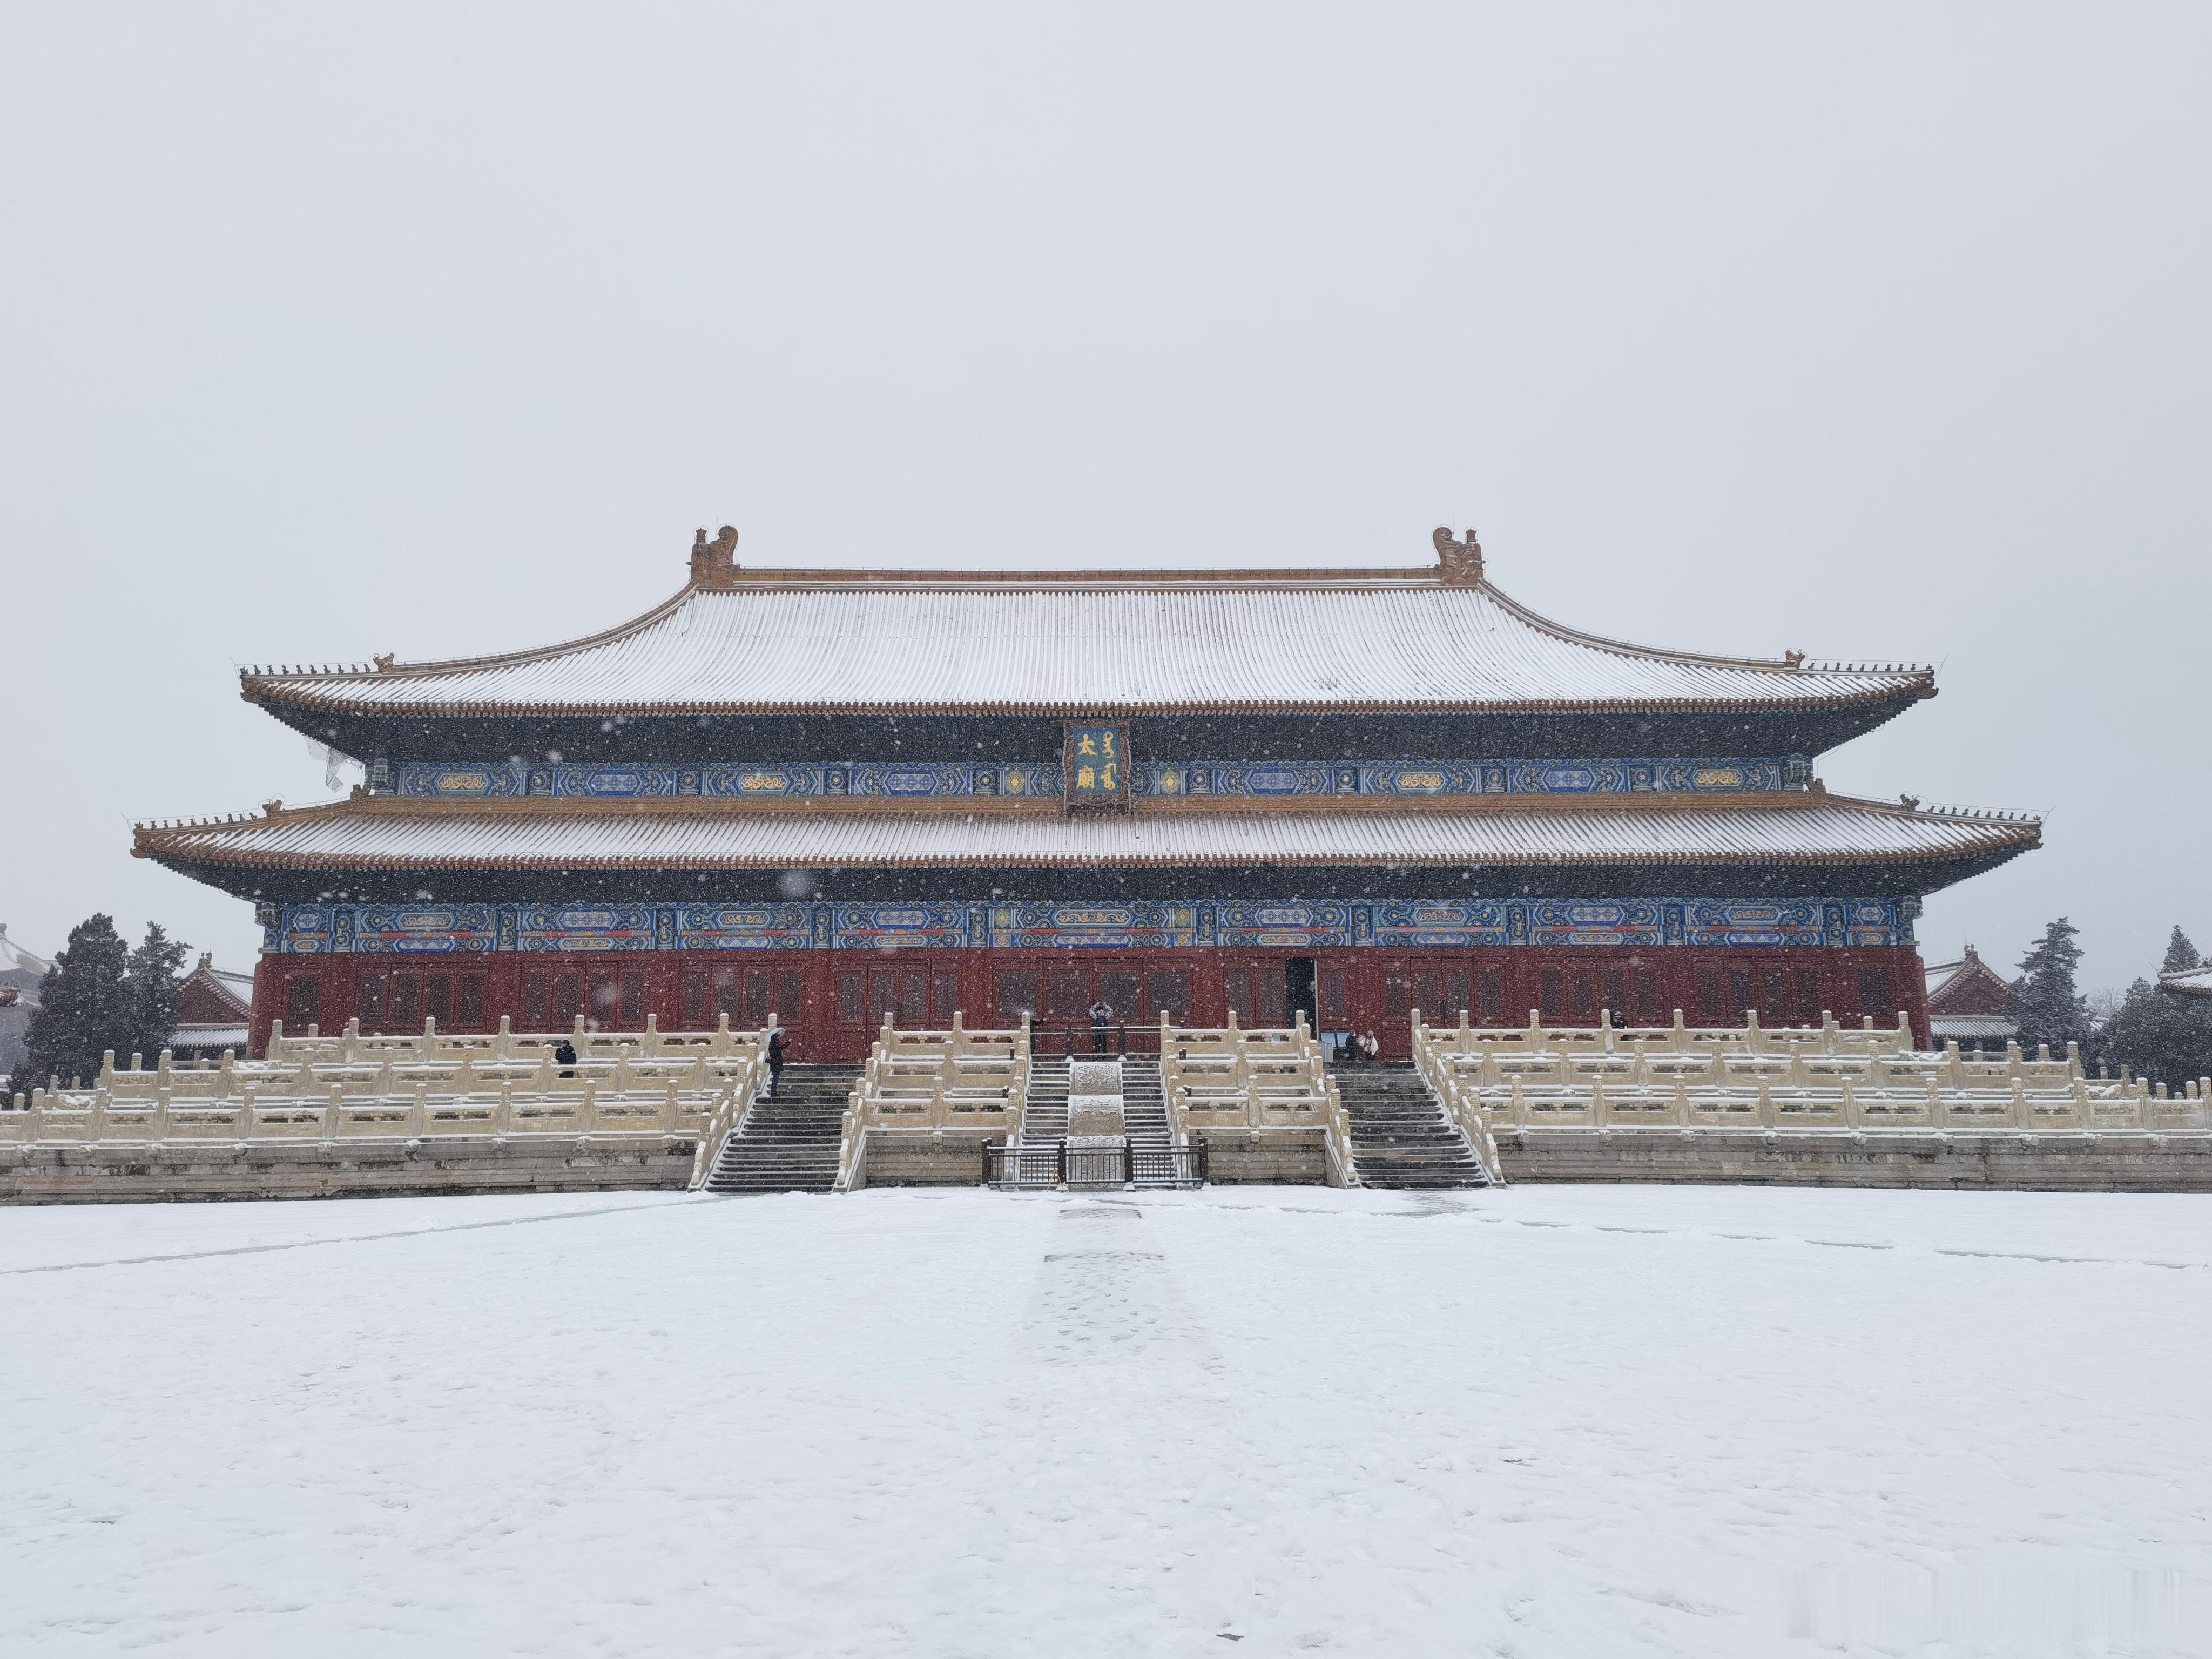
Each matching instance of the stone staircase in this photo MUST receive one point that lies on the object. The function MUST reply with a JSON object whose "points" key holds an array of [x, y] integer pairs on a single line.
{"points": [[1401, 1136], [789, 1144], [1044, 1119], [1153, 1163], [1144, 1106]]}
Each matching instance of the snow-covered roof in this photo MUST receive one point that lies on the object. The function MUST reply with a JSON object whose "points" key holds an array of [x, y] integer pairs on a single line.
{"points": [[371, 833], [15, 959], [1971, 1027], [210, 996], [1966, 988], [830, 642], [2190, 982], [208, 1036]]}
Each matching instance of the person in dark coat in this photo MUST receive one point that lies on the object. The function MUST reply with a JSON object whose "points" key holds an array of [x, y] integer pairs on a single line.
{"points": [[1101, 1016], [774, 1060], [565, 1058]]}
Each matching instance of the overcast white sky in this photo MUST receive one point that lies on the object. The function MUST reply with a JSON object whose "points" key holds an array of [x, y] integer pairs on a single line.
{"points": [[1873, 330]]}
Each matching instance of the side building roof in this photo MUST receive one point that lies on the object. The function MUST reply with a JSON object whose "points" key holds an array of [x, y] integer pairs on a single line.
{"points": [[1967, 987], [735, 641], [16, 960], [211, 996], [2189, 981]]}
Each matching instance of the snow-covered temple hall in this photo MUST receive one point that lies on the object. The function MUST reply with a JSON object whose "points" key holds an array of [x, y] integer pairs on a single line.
{"points": [[838, 796]]}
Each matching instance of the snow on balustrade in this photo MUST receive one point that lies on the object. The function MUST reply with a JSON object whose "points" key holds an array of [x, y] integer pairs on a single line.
{"points": [[1826, 1076], [691, 1085], [1227, 1078], [955, 1089]]}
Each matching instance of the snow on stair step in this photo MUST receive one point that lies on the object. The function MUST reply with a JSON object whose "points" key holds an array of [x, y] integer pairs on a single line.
{"points": [[789, 1144], [1402, 1136]]}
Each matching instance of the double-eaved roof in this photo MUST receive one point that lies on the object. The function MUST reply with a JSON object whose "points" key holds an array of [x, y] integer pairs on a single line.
{"points": [[808, 641], [743, 650]]}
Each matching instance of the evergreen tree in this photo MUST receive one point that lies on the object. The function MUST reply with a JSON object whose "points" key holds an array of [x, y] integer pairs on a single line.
{"points": [[99, 996], [2180, 954], [2046, 1005], [2165, 1039], [84, 1008], [150, 982]]}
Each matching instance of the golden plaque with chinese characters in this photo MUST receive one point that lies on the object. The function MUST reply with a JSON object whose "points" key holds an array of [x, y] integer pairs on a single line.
{"points": [[1096, 767]]}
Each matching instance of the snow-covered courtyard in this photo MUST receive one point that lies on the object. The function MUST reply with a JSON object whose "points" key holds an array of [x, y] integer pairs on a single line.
{"points": [[1542, 1421]]}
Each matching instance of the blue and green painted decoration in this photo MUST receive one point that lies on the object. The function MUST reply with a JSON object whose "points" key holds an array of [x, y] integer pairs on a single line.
{"points": [[1399, 923], [921, 779]]}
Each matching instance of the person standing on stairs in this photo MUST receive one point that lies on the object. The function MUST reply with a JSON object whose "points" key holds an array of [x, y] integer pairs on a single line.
{"points": [[1101, 1016], [774, 1060]]}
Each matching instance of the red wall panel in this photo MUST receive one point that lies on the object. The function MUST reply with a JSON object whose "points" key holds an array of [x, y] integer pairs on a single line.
{"points": [[1787, 987]]}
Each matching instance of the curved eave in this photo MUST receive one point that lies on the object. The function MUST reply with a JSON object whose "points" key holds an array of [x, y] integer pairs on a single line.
{"points": [[311, 704], [1241, 839], [1799, 686], [2189, 982]]}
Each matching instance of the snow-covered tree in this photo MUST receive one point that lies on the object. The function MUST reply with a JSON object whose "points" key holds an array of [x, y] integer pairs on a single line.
{"points": [[101, 995], [2045, 1003], [2180, 954], [149, 984], [2166, 1038]]}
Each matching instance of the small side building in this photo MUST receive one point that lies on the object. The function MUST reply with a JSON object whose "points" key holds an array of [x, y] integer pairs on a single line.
{"points": [[1969, 1003], [215, 1011]]}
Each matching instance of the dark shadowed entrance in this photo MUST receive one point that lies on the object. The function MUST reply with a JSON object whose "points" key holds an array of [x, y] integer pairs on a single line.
{"points": [[1298, 992]]}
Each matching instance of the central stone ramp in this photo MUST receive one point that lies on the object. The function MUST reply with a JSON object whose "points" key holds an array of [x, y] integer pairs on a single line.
{"points": [[1401, 1136], [1096, 1154], [1094, 1098], [789, 1144]]}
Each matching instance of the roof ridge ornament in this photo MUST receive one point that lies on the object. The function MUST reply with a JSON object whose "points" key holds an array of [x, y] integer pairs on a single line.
{"points": [[715, 564], [1459, 563]]}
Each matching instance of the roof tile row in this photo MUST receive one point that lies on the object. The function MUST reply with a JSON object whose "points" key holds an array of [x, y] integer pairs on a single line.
{"points": [[1833, 831]]}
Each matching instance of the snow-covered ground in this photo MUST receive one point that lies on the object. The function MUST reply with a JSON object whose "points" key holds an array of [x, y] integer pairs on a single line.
{"points": [[1547, 1421]]}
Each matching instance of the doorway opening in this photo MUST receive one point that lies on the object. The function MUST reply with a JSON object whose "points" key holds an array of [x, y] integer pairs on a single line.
{"points": [[1298, 993]]}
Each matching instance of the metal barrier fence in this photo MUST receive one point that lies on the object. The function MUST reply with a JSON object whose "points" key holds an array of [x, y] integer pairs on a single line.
{"points": [[1063, 1165], [1167, 1166]]}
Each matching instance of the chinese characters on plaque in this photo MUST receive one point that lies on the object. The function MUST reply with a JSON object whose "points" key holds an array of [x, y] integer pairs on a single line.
{"points": [[1097, 766]]}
